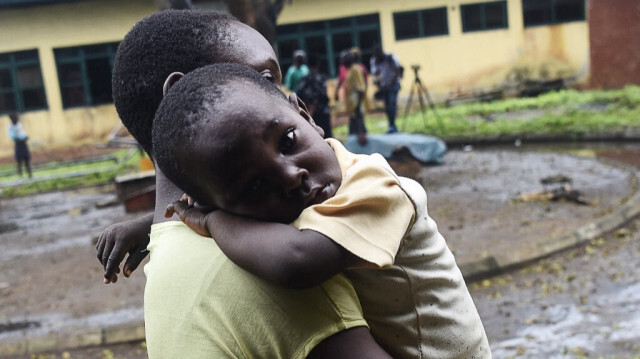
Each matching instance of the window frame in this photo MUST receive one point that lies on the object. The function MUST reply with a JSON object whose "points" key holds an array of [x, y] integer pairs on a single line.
{"points": [[422, 24], [352, 26], [81, 58], [15, 60], [553, 10], [483, 5]]}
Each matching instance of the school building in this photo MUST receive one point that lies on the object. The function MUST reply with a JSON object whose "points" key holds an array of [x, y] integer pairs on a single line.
{"points": [[56, 56]]}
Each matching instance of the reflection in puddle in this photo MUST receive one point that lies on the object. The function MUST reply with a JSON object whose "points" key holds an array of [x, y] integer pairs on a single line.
{"points": [[565, 326]]}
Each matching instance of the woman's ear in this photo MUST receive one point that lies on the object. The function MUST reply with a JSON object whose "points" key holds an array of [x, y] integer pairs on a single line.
{"points": [[301, 107], [170, 81]]}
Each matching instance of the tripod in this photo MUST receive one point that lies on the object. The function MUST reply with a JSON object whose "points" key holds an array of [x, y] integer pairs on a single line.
{"points": [[423, 94]]}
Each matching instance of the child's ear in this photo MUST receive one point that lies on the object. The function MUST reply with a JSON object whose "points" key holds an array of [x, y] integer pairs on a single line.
{"points": [[301, 107], [171, 79]]}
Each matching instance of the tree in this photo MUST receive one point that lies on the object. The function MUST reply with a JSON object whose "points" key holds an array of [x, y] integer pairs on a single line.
{"points": [[259, 14]]}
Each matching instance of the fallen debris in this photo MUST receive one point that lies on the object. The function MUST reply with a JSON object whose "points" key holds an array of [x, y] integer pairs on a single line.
{"points": [[563, 191]]}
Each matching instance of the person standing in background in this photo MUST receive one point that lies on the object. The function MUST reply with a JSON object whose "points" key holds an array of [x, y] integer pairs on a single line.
{"points": [[296, 71], [342, 71], [354, 91], [312, 89], [387, 71], [19, 137]]}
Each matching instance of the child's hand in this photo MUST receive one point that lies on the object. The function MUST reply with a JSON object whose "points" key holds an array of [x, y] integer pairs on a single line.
{"points": [[119, 239], [194, 216]]}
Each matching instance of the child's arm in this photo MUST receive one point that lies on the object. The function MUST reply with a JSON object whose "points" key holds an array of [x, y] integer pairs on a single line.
{"points": [[119, 239], [277, 252]]}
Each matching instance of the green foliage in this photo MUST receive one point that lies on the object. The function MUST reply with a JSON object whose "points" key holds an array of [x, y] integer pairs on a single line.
{"points": [[91, 179], [569, 112]]}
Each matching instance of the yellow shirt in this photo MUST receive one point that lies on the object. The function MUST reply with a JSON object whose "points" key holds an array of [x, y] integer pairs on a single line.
{"points": [[198, 304], [416, 303]]}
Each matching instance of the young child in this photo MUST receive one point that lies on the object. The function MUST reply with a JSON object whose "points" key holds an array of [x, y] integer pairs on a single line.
{"points": [[260, 162]]}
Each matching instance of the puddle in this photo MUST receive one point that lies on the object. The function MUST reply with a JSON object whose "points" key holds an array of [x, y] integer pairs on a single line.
{"points": [[13, 326], [561, 328]]}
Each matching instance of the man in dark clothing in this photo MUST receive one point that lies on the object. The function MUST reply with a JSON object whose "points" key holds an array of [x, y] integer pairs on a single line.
{"points": [[312, 89], [387, 71]]}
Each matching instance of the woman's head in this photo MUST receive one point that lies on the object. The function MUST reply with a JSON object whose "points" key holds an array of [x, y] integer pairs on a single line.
{"points": [[179, 40]]}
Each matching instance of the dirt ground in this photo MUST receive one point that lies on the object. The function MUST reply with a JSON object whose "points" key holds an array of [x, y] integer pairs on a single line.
{"points": [[474, 196], [50, 279]]}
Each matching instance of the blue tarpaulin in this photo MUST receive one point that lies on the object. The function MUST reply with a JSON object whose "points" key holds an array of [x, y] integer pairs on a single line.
{"points": [[424, 148]]}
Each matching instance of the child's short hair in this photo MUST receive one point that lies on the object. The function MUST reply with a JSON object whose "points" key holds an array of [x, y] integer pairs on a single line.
{"points": [[162, 43], [190, 103]]}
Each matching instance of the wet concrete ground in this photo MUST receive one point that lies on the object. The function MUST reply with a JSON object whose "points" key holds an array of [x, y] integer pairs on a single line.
{"points": [[50, 279], [474, 196], [583, 303]]}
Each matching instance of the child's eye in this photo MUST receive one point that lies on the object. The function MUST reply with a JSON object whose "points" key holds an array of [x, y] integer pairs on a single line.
{"points": [[288, 140]]}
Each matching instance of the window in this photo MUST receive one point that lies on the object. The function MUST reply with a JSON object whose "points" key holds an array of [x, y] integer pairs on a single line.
{"points": [[484, 16], [422, 23], [85, 74], [21, 86], [545, 12], [326, 39]]}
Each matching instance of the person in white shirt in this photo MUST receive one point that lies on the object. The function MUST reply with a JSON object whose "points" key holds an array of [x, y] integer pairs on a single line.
{"points": [[19, 137]]}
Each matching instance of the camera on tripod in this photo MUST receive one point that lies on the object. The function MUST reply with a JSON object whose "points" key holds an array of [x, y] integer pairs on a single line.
{"points": [[423, 96]]}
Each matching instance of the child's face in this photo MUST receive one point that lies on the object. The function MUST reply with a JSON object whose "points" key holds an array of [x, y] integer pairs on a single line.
{"points": [[265, 159]]}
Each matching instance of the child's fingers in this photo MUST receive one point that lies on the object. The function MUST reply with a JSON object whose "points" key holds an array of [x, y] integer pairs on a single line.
{"points": [[169, 211], [187, 199], [179, 208], [102, 241], [112, 279], [133, 261]]}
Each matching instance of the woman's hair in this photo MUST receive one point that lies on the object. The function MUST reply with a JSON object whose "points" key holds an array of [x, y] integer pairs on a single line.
{"points": [[162, 43]]}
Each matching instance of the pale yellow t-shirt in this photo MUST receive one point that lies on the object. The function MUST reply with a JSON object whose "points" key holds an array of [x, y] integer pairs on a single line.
{"points": [[198, 304], [416, 302]]}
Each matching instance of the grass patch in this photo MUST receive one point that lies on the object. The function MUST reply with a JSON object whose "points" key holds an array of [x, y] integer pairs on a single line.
{"points": [[73, 175], [566, 111]]}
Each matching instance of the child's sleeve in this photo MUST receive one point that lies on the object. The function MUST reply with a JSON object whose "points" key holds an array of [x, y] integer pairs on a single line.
{"points": [[369, 215]]}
